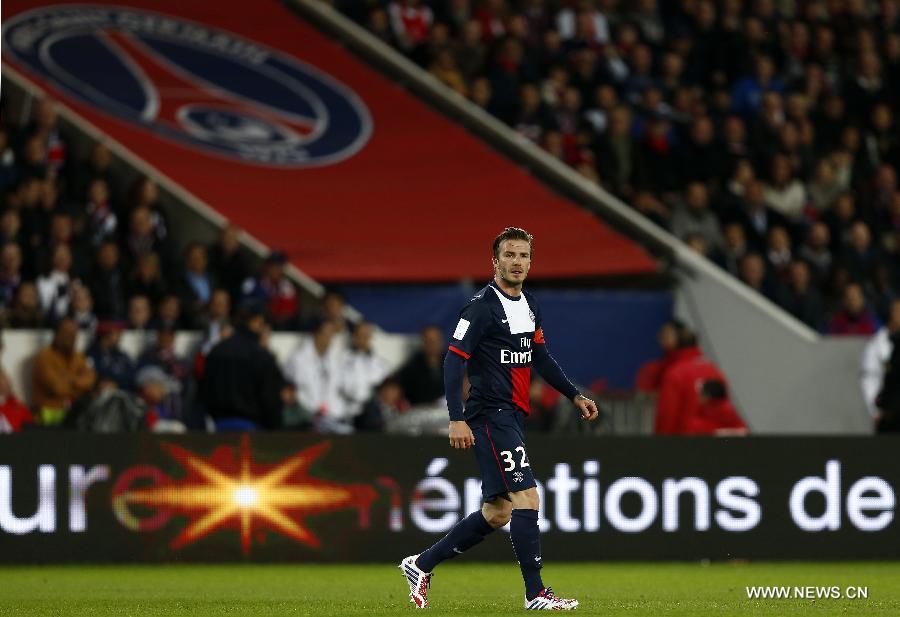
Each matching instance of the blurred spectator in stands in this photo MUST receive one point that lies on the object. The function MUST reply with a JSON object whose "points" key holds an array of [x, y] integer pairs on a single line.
{"points": [[679, 396], [875, 357], [784, 193], [107, 357], [111, 409], [716, 415], [227, 261], [379, 24], [82, 309], [139, 313], [543, 403], [161, 397], [533, 115], [882, 143], [26, 309], [693, 216], [14, 414], [315, 371], [617, 154], [386, 404], [102, 220], [747, 94], [421, 377], [11, 228], [274, 289], [816, 252], [107, 283], [142, 238], [445, 70], [801, 298], [147, 280], [753, 273], [778, 253], [217, 317], [855, 318], [10, 272], [470, 51], [859, 256], [242, 384], [411, 22], [195, 285], [825, 186], [361, 369], [55, 287], [332, 308], [168, 314], [9, 173], [162, 355], [61, 375], [650, 374], [142, 193], [44, 126], [757, 218], [98, 166], [734, 248], [700, 157]]}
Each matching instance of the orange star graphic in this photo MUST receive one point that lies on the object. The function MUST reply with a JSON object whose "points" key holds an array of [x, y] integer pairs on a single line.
{"points": [[220, 492]]}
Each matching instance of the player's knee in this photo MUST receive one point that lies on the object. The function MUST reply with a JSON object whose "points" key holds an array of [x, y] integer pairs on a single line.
{"points": [[526, 500], [497, 515]]}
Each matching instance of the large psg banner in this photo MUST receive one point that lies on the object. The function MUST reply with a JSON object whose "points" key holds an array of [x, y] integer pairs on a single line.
{"points": [[302, 497], [285, 133]]}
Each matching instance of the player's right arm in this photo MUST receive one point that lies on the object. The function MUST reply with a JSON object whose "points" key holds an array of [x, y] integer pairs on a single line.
{"points": [[473, 321]]}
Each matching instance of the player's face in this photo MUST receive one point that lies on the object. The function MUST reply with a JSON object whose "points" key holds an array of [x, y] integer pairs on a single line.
{"points": [[514, 261]]}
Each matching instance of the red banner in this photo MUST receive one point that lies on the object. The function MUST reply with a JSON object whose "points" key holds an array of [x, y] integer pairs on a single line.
{"points": [[259, 115]]}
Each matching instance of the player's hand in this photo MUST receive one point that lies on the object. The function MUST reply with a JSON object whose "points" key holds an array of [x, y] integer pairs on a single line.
{"points": [[586, 406], [461, 435]]}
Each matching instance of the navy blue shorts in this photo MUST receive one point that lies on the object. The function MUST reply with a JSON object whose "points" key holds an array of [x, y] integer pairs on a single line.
{"points": [[500, 450]]}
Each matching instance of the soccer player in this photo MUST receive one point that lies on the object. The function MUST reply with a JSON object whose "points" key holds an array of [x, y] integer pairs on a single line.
{"points": [[498, 340]]}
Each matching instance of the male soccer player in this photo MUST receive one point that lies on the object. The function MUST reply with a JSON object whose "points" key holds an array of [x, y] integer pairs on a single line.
{"points": [[498, 339]]}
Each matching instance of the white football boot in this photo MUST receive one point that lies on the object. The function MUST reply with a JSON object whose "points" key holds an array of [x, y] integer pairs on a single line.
{"points": [[419, 581], [548, 601]]}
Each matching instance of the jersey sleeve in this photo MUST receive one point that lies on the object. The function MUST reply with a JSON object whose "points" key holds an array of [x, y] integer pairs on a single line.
{"points": [[473, 322]]}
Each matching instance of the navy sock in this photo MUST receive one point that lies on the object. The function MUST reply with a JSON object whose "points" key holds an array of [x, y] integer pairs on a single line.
{"points": [[526, 541], [464, 535]]}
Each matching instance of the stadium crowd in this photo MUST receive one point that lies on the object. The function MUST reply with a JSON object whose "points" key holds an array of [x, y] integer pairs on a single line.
{"points": [[763, 133]]}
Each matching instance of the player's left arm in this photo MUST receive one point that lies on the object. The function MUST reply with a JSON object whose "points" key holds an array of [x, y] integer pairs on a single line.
{"points": [[548, 368]]}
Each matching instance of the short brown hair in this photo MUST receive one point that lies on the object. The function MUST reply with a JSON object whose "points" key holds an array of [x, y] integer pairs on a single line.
{"points": [[511, 233]]}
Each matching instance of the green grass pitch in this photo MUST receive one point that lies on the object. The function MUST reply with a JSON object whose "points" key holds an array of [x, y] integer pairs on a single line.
{"points": [[630, 589]]}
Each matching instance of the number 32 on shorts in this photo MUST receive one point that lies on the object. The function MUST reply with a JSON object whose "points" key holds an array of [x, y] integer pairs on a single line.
{"points": [[510, 462]]}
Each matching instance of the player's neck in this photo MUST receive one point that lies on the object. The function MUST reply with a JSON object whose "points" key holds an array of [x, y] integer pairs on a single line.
{"points": [[508, 288]]}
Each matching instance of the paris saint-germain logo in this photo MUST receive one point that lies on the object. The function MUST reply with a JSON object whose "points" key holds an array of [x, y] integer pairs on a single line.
{"points": [[204, 88]]}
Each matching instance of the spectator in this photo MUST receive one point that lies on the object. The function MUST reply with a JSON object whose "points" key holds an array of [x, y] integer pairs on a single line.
{"points": [[168, 314], [61, 376], [55, 288], [107, 357], [411, 22], [10, 272], [217, 318], [107, 283], [785, 194], [361, 369], [142, 238], [227, 262], [693, 216], [82, 309], [274, 289], [139, 313], [801, 298], [102, 220], [855, 318], [753, 273], [26, 310], [241, 384], [98, 166], [650, 374], [825, 186], [158, 391], [716, 414], [679, 397], [195, 285], [385, 405], [875, 357], [14, 415], [44, 127], [147, 280], [315, 371], [816, 252], [333, 308], [422, 377]]}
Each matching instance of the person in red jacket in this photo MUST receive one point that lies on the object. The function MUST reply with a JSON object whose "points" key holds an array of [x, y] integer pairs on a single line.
{"points": [[679, 392], [716, 415]]}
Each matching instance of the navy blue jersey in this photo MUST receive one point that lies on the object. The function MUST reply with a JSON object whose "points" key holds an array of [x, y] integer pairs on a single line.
{"points": [[498, 335]]}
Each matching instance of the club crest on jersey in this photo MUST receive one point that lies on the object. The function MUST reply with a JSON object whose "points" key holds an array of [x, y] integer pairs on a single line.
{"points": [[204, 88]]}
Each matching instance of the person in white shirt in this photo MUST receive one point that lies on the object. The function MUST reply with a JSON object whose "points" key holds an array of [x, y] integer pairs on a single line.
{"points": [[361, 369], [314, 369], [874, 357], [55, 288]]}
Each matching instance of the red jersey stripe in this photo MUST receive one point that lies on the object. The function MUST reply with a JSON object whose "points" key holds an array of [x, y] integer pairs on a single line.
{"points": [[459, 352]]}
